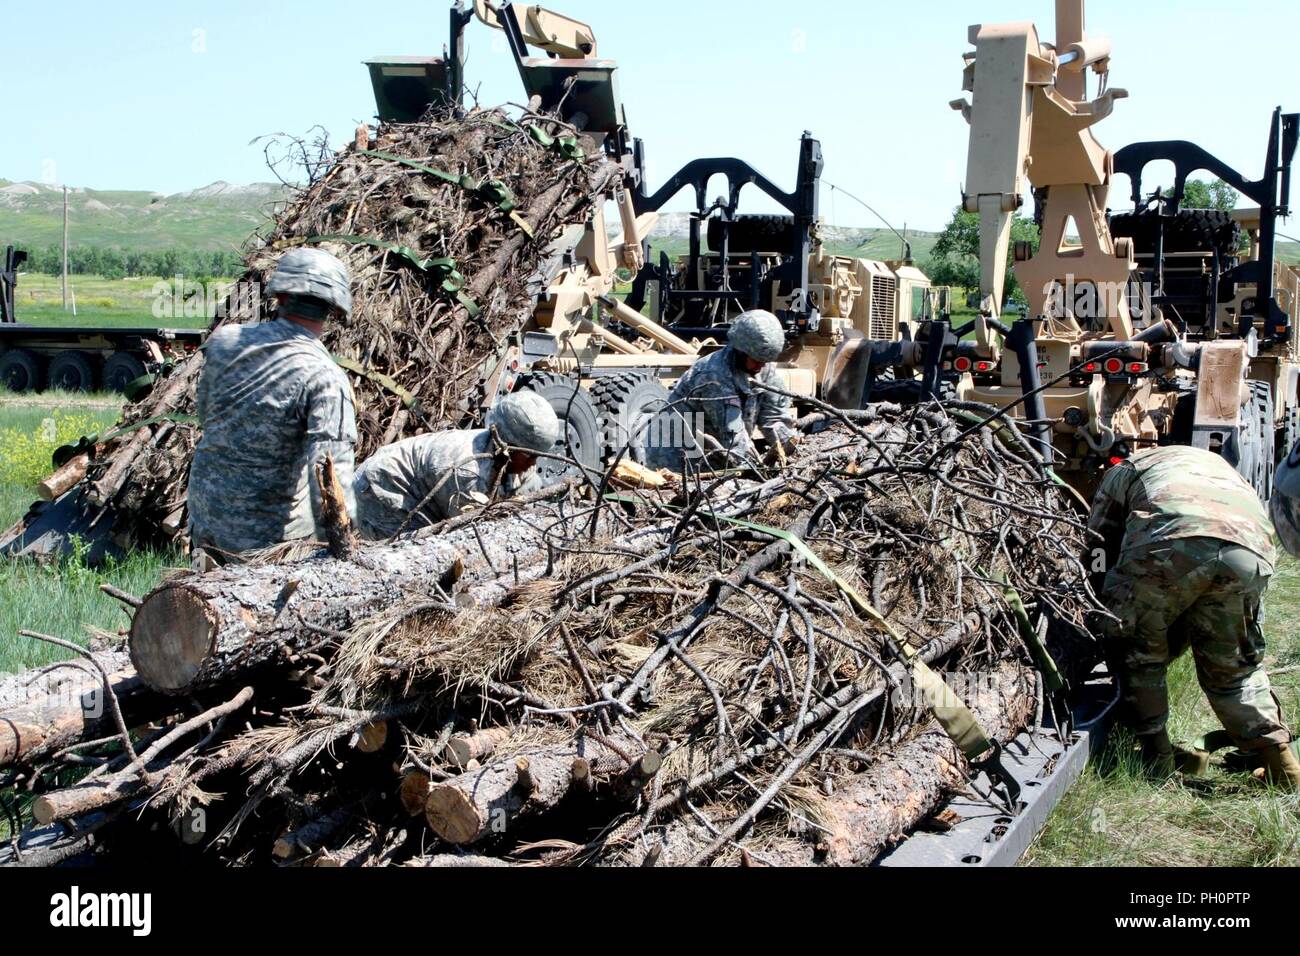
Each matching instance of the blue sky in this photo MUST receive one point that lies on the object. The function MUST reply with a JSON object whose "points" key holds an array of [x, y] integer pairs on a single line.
{"points": [[167, 95]]}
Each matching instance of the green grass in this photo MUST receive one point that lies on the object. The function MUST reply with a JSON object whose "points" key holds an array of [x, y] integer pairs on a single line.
{"points": [[111, 303], [60, 599], [1116, 817]]}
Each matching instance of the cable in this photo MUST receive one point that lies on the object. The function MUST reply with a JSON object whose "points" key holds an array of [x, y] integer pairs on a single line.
{"points": [[901, 237]]}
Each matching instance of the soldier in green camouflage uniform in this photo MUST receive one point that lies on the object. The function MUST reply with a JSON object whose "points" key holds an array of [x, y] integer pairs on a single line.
{"points": [[1189, 553], [272, 405]]}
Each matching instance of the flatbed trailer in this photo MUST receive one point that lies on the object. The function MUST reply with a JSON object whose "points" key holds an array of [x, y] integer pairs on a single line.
{"points": [[33, 358]]}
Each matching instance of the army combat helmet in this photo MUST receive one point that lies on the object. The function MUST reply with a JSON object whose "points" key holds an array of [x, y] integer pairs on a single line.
{"points": [[313, 274], [1284, 507], [525, 421], [758, 335]]}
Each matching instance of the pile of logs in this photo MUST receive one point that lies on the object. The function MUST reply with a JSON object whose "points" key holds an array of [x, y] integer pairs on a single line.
{"points": [[448, 227], [711, 672]]}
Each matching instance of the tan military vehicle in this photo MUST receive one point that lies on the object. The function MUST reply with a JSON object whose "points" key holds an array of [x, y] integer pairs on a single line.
{"points": [[1111, 355], [612, 332]]}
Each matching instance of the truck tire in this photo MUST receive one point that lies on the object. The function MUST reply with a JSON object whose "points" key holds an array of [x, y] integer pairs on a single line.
{"points": [[1289, 432], [70, 372], [120, 370], [628, 402], [20, 371], [1252, 456], [1192, 230], [753, 234], [580, 433]]}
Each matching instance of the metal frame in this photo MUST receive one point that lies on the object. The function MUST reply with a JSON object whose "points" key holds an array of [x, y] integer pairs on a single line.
{"points": [[1045, 762], [786, 278], [8, 282], [1271, 192]]}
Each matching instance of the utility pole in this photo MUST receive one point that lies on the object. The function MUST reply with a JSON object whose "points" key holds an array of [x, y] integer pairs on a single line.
{"points": [[65, 248]]}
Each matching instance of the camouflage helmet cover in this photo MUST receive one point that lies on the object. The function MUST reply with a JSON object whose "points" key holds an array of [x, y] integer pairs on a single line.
{"points": [[525, 420], [314, 274], [758, 334]]}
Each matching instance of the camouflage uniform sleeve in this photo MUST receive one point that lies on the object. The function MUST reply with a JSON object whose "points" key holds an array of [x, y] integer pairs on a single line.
{"points": [[775, 413], [331, 431], [1110, 510], [724, 415]]}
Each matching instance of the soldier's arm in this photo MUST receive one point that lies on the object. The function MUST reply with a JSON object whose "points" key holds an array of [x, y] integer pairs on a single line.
{"points": [[332, 432], [1110, 510], [775, 412]]}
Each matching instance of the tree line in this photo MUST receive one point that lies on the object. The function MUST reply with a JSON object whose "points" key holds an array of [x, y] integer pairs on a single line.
{"points": [[113, 262]]}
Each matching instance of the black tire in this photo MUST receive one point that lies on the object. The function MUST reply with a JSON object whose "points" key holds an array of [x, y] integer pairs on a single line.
{"points": [[120, 370], [753, 234], [1192, 230], [581, 439], [20, 371], [70, 372], [906, 391], [1288, 433], [627, 403], [1252, 456]]}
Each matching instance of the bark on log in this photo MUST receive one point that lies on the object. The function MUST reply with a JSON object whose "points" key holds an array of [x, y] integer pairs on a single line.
{"points": [[62, 706], [473, 806], [877, 808], [62, 480], [193, 631], [201, 629]]}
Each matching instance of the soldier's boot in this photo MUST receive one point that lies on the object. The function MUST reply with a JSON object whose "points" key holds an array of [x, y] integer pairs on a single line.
{"points": [[1280, 766], [1158, 755]]}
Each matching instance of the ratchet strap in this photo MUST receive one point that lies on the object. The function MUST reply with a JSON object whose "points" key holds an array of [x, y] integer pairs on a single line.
{"points": [[65, 453], [443, 271]]}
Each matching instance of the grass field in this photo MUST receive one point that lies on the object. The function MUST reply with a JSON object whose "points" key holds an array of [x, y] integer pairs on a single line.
{"points": [[115, 303], [64, 599], [1112, 817]]}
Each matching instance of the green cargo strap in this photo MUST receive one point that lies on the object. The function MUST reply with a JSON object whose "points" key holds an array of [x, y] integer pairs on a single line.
{"points": [[444, 271], [953, 715], [490, 190], [139, 388], [566, 146], [1029, 634], [379, 378], [65, 453]]}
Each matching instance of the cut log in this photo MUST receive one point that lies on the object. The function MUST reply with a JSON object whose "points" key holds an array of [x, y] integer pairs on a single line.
{"points": [[192, 631], [57, 484], [197, 630], [310, 837], [475, 805], [413, 793], [478, 746], [62, 706]]}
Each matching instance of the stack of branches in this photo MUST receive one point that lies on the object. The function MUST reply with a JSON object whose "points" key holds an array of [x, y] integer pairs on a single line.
{"points": [[711, 674], [447, 226]]}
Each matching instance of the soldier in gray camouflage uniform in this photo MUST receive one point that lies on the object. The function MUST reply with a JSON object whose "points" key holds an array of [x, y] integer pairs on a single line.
{"points": [[272, 405], [718, 395], [424, 480], [1190, 553]]}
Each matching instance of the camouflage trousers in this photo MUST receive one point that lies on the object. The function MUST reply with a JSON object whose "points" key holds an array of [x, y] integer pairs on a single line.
{"points": [[1204, 594]]}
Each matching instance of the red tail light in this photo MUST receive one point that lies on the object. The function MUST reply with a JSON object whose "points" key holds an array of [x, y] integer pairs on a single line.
{"points": [[961, 364], [1137, 368], [983, 366], [1114, 366], [1116, 460], [1090, 367]]}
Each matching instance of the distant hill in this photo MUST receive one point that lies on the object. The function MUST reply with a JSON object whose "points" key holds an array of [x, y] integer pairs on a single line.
{"points": [[671, 235], [219, 216]]}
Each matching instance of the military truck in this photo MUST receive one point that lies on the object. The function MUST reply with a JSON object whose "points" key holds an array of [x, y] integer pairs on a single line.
{"points": [[33, 358], [1103, 363]]}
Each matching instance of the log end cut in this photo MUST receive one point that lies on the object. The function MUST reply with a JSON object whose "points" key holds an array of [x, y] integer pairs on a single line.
{"points": [[452, 815], [172, 635]]}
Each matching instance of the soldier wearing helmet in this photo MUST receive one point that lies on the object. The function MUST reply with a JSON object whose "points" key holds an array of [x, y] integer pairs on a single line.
{"points": [[424, 480], [1189, 553], [272, 405], [715, 406]]}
